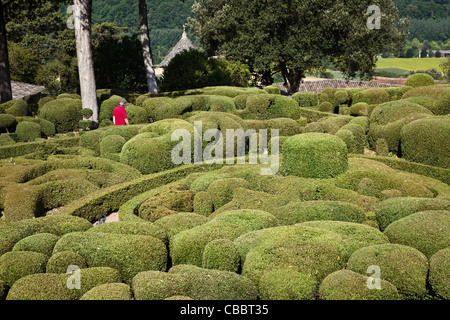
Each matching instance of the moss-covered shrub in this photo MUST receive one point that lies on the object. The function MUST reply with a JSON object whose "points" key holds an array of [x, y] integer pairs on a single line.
{"points": [[65, 114], [287, 284], [314, 155], [28, 131], [349, 285], [61, 261], [7, 122], [391, 210], [90, 278], [187, 247], [424, 141], [440, 273], [306, 99], [129, 254], [354, 235], [221, 254], [314, 252], [109, 291], [16, 108], [18, 264], [388, 119], [419, 80], [427, 231], [297, 212], [41, 243], [405, 267], [41, 286]]}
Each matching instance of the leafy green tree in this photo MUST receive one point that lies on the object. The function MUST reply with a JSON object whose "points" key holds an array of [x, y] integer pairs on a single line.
{"points": [[296, 35]]}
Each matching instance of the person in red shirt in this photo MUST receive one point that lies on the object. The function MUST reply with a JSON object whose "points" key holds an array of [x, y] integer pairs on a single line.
{"points": [[120, 115]]}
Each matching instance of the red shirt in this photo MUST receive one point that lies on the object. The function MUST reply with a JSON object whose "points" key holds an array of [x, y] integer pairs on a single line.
{"points": [[120, 115]]}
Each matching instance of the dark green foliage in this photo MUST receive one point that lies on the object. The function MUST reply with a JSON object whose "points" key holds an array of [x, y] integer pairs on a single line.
{"points": [[191, 69], [18, 264], [7, 122], [424, 141], [111, 144], [41, 243], [314, 155], [439, 273], [107, 108], [394, 209], [28, 131], [403, 266], [136, 115], [60, 262], [306, 99], [420, 80], [129, 254], [261, 107], [16, 108], [65, 114], [87, 113], [47, 127], [371, 96], [427, 231], [349, 285]]}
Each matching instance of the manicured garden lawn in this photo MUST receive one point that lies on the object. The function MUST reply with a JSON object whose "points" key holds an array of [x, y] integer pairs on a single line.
{"points": [[411, 63]]}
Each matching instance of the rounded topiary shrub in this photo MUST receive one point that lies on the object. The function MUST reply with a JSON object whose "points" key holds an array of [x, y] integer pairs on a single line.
{"points": [[371, 96], [203, 203], [306, 99], [419, 80], [129, 254], [61, 261], [7, 122], [136, 114], [28, 131], [403, 266], [107, 108], [109, 291], [393, 209], [221, 254], [440, 273], [111, 144], [65, 114], [41, 286], [273, 89], [426, 141], [286, 284], [179, 222], [427, 231], [18, 264], [16, 108], [314, 155], [297, 212], [42, 243], [349, 285], [326, 107]]}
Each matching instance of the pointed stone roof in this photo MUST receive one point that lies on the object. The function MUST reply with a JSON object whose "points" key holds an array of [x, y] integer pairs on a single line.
{"points": [[182, 45], [20, 90]]}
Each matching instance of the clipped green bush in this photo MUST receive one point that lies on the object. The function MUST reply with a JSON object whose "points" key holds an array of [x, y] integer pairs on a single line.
{"points": [[41, 243], [286, 284], [306, 99], [405, 267], [270, 106], [89, 278], [7, 122], [425, 141], [111, 144], [342, 96], [419, 80], [129, 254], [65, 114], [221, 254], [297, 212], [393, 209], [41, 286], [273, 89], [187, 246], [349, 285], [109, 291], [176, 223], [221, 191], [61, 261], [28, 131], [314, 155], [371, 96], [16, 108], [107, 107], [440, 273], [18, 264], [427, 231], [359, 109]]}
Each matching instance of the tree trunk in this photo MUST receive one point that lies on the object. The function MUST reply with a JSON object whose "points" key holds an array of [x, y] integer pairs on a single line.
{"points": [[146, 48], [82, 18], [292, 78], [5, 75]]}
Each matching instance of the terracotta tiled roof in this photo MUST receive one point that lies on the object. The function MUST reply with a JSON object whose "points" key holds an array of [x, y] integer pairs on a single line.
{"points": [[21, 90]]}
